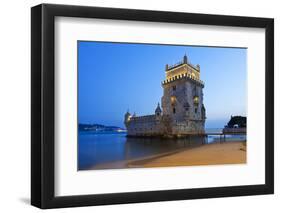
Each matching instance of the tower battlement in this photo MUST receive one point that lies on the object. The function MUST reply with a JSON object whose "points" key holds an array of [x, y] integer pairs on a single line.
{"points": [[181, 69], [183, 76]]}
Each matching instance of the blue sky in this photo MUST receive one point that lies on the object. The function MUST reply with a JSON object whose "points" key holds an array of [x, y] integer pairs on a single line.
{"points": [[114, 77]]}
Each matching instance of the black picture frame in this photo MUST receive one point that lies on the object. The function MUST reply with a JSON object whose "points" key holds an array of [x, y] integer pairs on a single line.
{"points": [[43, 110]]}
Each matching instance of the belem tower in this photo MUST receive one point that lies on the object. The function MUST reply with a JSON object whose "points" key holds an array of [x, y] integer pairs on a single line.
{"points": [[182, 111]]}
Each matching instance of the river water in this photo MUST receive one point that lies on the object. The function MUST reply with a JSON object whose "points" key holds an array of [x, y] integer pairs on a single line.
{"points": [[103, 147]]}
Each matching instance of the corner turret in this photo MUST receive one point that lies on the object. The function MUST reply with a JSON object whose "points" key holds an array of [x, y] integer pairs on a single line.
{"points": [[185, 59], [158, 110], [127, 118]]}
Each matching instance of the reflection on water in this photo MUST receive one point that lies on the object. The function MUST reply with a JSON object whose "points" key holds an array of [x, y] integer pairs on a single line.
{"points": [[97, 148]]}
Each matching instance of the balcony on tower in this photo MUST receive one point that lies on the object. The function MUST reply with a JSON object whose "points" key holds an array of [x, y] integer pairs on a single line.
{"points": [[182, 69]]}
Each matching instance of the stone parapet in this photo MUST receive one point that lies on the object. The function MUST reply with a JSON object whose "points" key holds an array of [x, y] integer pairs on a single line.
{"points": [[183, 76]]}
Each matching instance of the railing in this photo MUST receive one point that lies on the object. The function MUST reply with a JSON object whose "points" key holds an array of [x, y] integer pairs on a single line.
{"points": [[234, 130], [222, 135], [175, 65]]}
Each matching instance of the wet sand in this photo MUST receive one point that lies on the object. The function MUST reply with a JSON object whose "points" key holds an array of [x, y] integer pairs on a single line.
{"points": [[209, 154]]}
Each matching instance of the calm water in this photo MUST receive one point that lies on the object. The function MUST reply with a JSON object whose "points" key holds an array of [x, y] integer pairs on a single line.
{"points": [[96, 148]]}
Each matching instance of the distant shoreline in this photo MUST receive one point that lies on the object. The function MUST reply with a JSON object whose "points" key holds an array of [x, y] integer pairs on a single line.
{"points": [[99, 128]]}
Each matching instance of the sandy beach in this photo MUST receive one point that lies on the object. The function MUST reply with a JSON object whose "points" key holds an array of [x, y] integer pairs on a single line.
{"points": [[209, 154]]}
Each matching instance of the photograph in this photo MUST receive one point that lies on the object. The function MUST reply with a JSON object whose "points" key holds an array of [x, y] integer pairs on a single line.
{"points": [[144, 105]]}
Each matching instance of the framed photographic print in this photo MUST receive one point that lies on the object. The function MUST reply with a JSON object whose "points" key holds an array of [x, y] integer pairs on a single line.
{"points": [[140, 106]]}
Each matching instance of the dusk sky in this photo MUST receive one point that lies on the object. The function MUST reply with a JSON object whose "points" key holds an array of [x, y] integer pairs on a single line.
{"points": [[115, 77]]}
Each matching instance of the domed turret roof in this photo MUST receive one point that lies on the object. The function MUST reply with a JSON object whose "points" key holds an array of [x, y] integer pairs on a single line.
{"points": [[127, 113], [158, 109]]}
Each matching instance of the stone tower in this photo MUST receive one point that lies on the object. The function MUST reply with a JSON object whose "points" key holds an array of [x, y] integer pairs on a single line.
{"points": [[183, 112], [182, 100]]}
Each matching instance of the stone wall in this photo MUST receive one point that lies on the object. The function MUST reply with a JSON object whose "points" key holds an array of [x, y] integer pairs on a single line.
{"points": [[162, 125], [144, 126]]}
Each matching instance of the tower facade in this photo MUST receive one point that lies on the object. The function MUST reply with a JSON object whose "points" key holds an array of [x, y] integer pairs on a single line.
{"points": [[183, 97]]}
